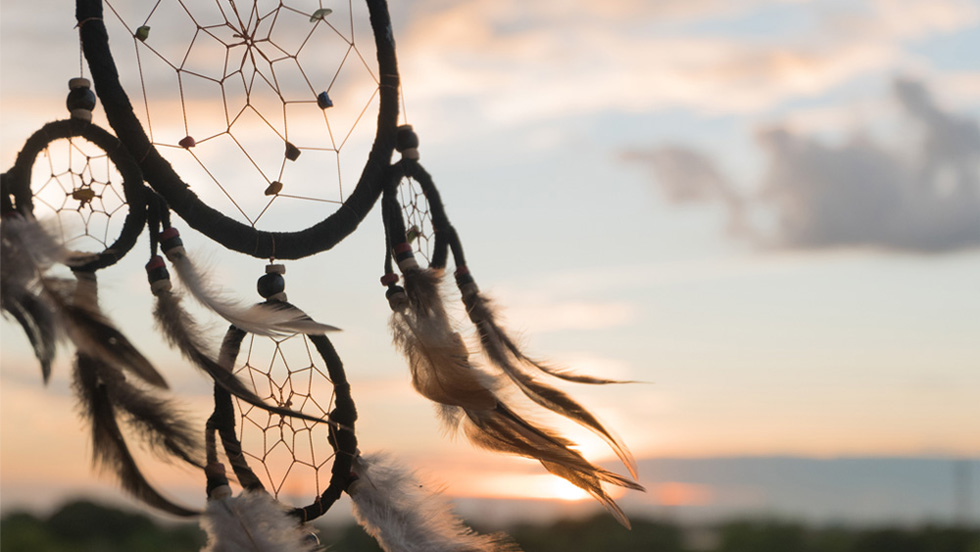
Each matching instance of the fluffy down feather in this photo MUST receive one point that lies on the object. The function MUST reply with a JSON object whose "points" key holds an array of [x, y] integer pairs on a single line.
{"points": [[394, 508], [254, 522]]}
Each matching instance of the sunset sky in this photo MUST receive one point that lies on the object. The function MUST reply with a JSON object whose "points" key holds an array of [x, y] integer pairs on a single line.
{"points": [[765, 211]]}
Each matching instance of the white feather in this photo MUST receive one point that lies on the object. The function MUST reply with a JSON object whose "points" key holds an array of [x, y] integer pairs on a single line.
{"points": [[260, 319], [403, 516], [254, 522]]}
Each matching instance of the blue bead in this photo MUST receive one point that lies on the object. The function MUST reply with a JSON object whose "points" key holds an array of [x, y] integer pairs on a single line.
{"points": [[323, 100]]}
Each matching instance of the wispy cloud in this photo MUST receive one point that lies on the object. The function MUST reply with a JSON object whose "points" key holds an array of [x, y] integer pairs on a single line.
{"points": [[531, 61], [923, 196]]}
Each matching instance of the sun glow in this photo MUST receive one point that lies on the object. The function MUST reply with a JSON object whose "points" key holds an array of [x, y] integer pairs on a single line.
{"points": [[524, 487]]}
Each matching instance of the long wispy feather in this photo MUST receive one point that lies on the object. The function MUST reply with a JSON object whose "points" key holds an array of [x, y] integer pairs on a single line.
{"points": [[504, 431], [262, 319], [502, 351], [254, 522], [27, 252], [442, 372], [109, 448], [93, 334], [36, 319], [183, 332], [404, 516]]}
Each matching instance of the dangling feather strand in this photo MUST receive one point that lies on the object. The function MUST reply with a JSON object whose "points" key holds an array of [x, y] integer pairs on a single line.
{"points": [[394, 508], [109, 447], [502, 351], [254, 522]]}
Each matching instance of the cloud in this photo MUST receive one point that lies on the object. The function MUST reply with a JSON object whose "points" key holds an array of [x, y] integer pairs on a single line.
{"points": [[858, 193], [522, 61]]}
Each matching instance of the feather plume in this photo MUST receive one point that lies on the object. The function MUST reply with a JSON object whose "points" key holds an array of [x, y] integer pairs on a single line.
{"points": [[254, 522], [502, 351], [498, 343], [27, 252], [109, 448], [504, 431], [442, 372], [395, 509], [266, 319], [182, 332], [93, 333], [437, 356], [38, 322]]}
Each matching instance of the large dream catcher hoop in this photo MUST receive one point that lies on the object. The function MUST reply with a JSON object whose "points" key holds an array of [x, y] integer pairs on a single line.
{"points": [[248, 122]]}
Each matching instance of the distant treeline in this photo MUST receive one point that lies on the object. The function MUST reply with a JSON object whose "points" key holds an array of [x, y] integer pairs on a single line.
{"points": [[87, 527]]}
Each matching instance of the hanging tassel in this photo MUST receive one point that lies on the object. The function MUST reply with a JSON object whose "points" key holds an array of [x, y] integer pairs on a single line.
{"points": [[504, 353], [37, 321], [394, 508], [437, 356], [250, 522], [98, 395], [442, 372], [502, 430], [182, 332], [263, 319]]}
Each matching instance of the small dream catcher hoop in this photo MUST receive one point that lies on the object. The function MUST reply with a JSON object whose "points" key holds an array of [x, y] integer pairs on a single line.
{"points": [[283, 403]]}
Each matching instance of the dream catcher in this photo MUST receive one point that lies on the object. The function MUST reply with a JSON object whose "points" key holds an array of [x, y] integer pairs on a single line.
{"points": [[249, 123]]}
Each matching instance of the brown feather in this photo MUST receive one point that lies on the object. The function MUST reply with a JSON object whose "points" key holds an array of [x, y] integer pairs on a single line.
{"points": [[437, 356], [502, 351], [504, 431], [109, 448]]}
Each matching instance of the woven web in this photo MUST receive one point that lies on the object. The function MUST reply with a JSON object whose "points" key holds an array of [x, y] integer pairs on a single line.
{"points": [[235, 95], [267, 110], [291, 457], [75, 181], [418, 219]]}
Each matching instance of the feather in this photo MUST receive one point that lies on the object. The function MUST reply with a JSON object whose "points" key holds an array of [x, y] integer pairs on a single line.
{"points": [[437, 356], [274, 320], [38, 322], [504, 431], [109, 449], [442, 372], [502, 351], [183, 333], [254, 522], [395, 509], [27, 251], [94, 335], [156, 420]]}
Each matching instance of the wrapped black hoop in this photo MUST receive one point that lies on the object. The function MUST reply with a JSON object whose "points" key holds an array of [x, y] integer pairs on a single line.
{"points": [[18, 195], [222, 229], [341, 424]]}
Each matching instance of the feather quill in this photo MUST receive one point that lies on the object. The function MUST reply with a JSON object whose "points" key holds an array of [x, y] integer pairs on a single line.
{"points": [[254, 522], [182, 332], [395, 509], [502, 351], [109, 448], [275, 320]]}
